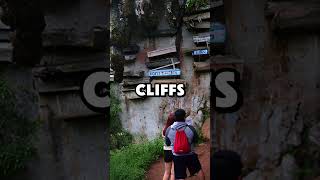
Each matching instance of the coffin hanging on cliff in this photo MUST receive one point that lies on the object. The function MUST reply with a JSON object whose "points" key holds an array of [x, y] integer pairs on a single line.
{"points": [[162, 62], [162, 51]]}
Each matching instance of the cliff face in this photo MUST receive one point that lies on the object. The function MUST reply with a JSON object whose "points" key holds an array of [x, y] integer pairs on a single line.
{"points": [[276, 129], [146, 117]]}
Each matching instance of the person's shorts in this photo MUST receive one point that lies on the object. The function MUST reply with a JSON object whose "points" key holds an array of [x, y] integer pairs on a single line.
{"points": [[182, 163], [168, 156]]}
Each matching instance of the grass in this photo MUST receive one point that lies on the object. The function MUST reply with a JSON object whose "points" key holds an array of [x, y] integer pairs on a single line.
{"points": [[132, 162]]}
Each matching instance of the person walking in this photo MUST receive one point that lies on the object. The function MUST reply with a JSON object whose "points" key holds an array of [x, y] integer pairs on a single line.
{"points": [[182, 137], [168, 156]]}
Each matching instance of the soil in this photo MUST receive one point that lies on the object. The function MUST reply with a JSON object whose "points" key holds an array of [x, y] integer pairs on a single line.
{"points": [[203, 150]]}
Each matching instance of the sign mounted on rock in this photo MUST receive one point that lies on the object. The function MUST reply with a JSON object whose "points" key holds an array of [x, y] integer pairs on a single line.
{"points": [[164, 72], [200, 52]]}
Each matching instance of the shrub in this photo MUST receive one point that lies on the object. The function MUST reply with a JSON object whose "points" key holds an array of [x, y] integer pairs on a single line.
{"points": [[16, 136], [119, 137], [132, 162]]}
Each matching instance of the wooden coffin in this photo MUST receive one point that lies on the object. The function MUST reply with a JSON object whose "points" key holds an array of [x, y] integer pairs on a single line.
{"points": [[163, 62], [163, 51]]}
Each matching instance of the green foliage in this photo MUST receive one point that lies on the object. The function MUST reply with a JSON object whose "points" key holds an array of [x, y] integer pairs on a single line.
{"points": [[119, 137], [16, 136], [131, 162], [196, 4]]}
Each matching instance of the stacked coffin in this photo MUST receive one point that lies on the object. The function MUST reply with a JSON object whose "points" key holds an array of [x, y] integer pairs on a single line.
{"points": [[72, 50], [59, 85], [199, 23], [163, 63], [130, 80], [5, 45]]}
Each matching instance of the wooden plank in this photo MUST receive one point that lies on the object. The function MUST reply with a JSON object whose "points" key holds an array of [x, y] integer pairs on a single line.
{"points": [[294, 15], [162, 51], [164, 73], [162, 62], [198, 17], [166, 66]]}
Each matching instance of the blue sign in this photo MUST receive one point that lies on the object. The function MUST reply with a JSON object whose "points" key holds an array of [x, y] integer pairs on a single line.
{"points": [[200, 52], [164, 72]]}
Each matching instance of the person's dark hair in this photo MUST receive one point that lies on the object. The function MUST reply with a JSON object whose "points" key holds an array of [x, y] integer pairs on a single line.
{"points": [[169, 122], [180, 115], [226, 165]]}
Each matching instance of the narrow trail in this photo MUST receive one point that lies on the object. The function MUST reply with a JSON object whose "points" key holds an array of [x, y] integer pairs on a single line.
{"points": [[203, 150]]}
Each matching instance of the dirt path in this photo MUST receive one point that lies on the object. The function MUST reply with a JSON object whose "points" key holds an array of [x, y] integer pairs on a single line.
{"points": [[203, 150]]}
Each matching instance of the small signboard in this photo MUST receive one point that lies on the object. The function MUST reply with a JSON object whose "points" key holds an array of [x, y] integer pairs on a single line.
{"points": [[164, 72], [200, 52], [201, 38]]}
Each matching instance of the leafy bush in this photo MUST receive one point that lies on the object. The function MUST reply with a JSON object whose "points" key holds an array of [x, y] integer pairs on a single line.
{"points": [[16, 136], [131, 162], [119, 137]]}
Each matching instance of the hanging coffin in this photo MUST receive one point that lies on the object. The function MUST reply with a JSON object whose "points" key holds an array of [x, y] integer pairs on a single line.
{"points": [[163, 62], [163, 51], [164, 73]]}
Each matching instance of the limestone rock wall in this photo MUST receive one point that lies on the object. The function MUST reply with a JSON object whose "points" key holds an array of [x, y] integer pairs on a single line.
{"points": [[274, 130]]}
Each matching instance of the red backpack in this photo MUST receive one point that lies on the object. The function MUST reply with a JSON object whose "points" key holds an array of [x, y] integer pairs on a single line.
{"points": [[181, 144]]}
